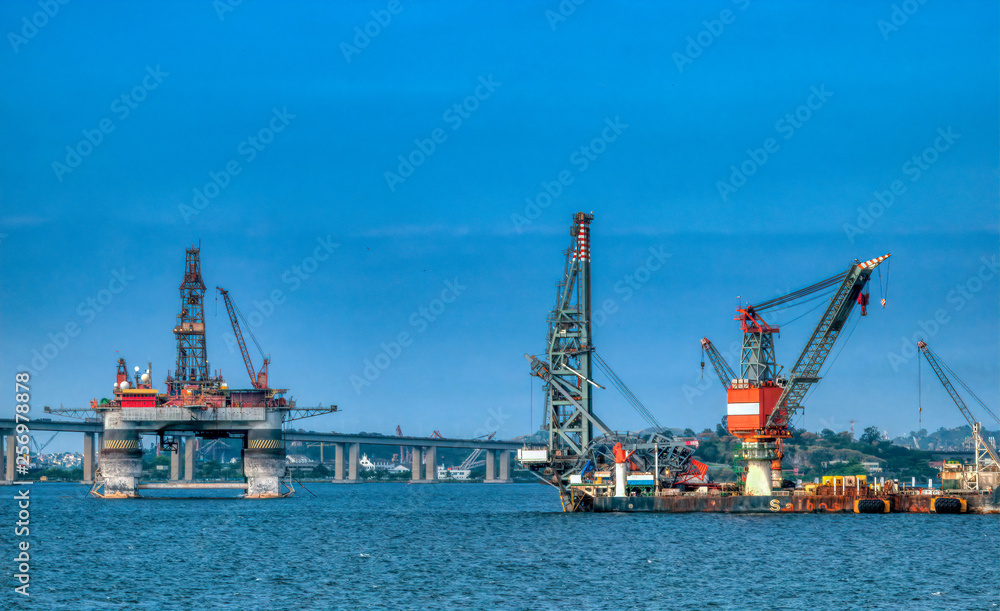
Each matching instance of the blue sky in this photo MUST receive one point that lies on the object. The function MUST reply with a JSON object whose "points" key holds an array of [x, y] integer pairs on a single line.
{"points": [[294, 137]]}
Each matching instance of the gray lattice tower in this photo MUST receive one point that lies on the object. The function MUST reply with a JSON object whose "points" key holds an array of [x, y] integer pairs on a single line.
{"points": [[192, 359], [569, 351], [757, 362]]}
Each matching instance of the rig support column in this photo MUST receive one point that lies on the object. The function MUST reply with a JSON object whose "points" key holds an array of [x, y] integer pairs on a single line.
{"points": [[352, 473], [88, 458], [121, 457], [491, 466], [432, 473], [505, 466], [264, 459], [175, 462], [97, 452], [189, 446], [415, 464], [11, 456], [338, 467]]}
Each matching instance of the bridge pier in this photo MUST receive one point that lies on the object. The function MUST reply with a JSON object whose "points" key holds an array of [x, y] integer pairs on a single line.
{"points": [[352, 465], [431, 463], [415, 464], [425, 471], [491, 466], [88, 458], [338, 467], [175, 462], [505, 466], [11, 456], [189, 447]]}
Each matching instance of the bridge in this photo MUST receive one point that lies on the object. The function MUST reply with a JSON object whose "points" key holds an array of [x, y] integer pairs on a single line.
{"points": [[347, 450]]}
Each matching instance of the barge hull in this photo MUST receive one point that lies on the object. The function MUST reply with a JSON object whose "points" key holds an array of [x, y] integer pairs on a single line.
{"points": [[898, 503]]}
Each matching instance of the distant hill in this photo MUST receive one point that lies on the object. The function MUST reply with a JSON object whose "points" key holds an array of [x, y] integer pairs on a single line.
{"points": [[958, 438]]}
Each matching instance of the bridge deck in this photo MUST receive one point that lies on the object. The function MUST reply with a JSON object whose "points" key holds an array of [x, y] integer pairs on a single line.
{"points": [[148, 428]]}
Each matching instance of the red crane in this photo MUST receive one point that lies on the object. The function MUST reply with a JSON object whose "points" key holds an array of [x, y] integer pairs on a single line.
{"points": [[257, 379], [761, 401]]}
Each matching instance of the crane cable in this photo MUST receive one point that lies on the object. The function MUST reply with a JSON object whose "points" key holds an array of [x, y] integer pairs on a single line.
{"points": [[842, 345], [626, 392], [884, 293], [794, 295], [810, 311], [794, 305], [246, 325], [964, 385]]}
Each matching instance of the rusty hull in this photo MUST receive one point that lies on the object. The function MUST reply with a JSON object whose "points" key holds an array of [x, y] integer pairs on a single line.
{"points": [[827, 503]]}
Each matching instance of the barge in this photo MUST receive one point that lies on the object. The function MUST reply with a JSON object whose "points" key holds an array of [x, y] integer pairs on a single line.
{"points": [[966, 501]]}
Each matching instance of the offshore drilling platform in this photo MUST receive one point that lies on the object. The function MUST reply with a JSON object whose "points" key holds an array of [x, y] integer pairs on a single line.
{"points": [[195, 402], [651, 472]]}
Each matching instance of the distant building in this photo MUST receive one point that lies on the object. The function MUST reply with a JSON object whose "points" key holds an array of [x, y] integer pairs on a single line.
{"points": [[872, 466]]}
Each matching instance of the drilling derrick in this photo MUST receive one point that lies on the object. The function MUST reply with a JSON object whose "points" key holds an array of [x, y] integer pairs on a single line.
{"points": [[192, 359]]}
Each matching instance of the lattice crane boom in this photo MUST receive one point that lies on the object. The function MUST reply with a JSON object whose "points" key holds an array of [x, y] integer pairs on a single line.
{"points": [[722, 368], [938, 368], [87, 414], [807, 368], [257, 379], [472, 460]]}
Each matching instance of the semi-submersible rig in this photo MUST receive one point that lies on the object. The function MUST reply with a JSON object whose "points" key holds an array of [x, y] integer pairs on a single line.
{"points": [[595, 468], [195, 403]]}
